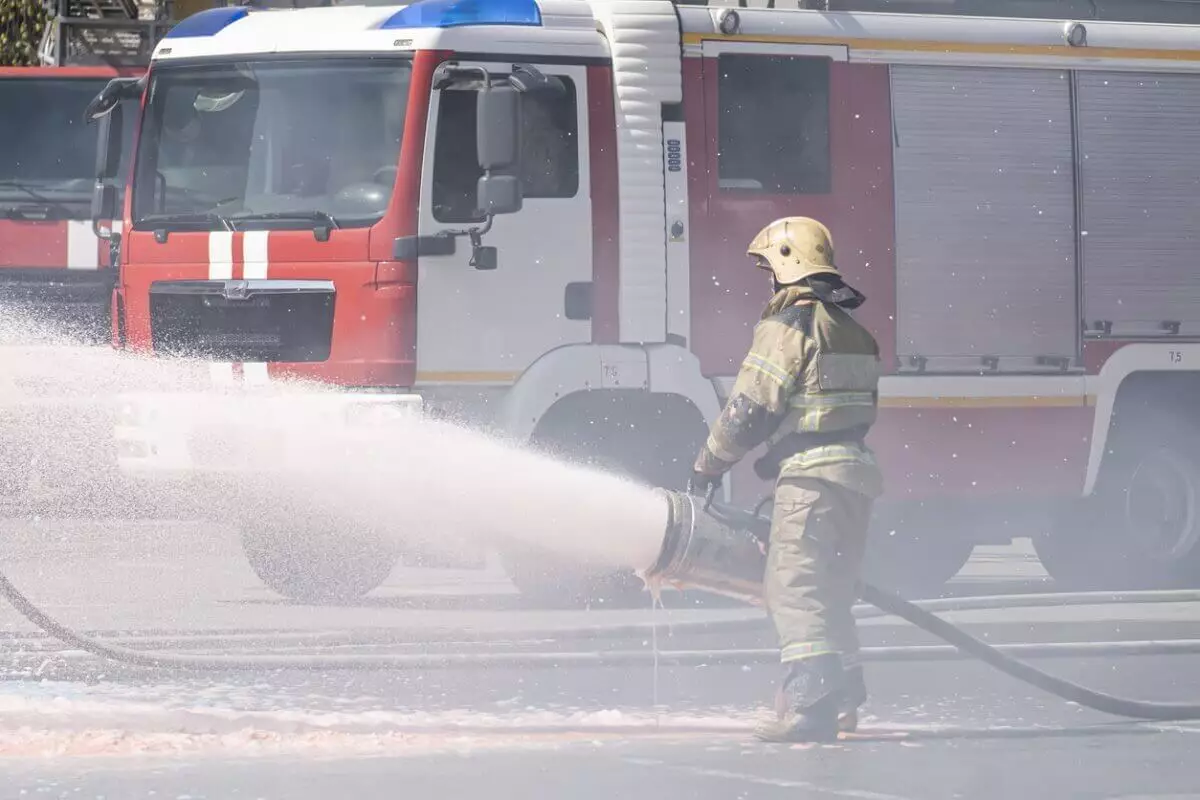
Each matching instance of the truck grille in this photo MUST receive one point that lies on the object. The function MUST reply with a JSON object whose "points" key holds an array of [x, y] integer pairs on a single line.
{"points": [[252, 320]]}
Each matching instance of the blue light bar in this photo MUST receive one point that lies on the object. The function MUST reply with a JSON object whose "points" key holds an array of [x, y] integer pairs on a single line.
{"points": [[207, 23], [457, 13]]}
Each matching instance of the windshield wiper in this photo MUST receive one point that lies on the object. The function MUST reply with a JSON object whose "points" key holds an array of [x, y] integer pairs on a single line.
{"points": [[324, 221], [159, 221], [42, 209], [311, 216], [23, 186]]}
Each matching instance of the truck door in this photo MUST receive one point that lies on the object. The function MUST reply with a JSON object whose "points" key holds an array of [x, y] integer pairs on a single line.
{"points": [[486, 326]]}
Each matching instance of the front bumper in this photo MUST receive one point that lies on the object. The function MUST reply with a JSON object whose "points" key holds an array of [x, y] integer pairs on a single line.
{"points": [[78, 300], [164, 436], [232, 460]]}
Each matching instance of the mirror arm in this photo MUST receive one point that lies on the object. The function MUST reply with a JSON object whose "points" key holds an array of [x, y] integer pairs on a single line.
{"points": [[112, 237], [476, 235], [478, 232], [450, 73]]}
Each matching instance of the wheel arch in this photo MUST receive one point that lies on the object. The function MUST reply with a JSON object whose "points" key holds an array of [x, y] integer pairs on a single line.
{"points": [[622, 384], [1162, 376]]}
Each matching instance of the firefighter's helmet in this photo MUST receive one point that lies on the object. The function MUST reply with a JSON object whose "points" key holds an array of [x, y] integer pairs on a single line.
{"points": [[794, 248]]}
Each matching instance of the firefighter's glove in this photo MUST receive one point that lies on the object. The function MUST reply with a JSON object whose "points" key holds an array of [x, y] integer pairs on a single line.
{"points": [[702, 485]]}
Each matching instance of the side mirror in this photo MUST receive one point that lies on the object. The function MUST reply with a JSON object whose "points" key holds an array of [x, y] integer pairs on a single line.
{"points": [[109, 139], [104, 209], [103, 102], [527, 80], [113, 93], [498, 127], [498, 194]]}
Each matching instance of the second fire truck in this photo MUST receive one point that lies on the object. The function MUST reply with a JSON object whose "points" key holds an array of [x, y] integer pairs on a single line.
{"points": [[54, 270]]}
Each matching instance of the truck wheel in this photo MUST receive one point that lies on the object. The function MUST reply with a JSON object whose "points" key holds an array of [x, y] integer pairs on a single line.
{"points": [[915, 555], [548, 581], [1141, 527], [658, 451], [915, 564], [317, 566]]}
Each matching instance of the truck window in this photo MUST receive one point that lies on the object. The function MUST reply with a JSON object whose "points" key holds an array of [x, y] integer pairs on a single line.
{"points": [[773, 124], [202, 158], [52, 150], [550, 151], [272, 138]]}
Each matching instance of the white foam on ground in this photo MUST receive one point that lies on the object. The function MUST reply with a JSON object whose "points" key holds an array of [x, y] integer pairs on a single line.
{"points": [[42, 723], [27, 743], [49, 712]]}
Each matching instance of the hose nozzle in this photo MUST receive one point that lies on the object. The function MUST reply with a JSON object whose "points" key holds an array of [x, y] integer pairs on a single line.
{"points": [[710, 547]]}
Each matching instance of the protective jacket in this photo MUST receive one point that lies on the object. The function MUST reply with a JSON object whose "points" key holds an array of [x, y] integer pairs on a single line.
{"points": [[808, 389]]}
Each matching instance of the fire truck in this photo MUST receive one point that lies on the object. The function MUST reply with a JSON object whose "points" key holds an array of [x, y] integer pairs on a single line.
{"points": [[53, 267], [532, 215]]}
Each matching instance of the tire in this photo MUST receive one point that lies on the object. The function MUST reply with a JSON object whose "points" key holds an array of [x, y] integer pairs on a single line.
{"points": [[550, 581], [317, 566], [1140, 529], [915, 563]]}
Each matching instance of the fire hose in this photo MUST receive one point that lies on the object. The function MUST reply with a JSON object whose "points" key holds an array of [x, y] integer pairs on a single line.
{"points": [[706, 546]]}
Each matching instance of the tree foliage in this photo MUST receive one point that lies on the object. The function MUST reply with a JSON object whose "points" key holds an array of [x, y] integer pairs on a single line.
{"points": [[22, 23]]}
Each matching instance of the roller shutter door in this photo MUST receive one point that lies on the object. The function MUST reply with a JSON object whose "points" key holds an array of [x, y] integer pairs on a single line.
{"points": [[1139, 138], [985, 218]]}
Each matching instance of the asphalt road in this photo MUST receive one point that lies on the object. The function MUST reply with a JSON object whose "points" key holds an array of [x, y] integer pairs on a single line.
{"points": [[969, 735], [1116, 766], [75, 727]]}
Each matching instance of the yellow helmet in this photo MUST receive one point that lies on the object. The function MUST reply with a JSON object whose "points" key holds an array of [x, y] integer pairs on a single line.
{"points": [[794, 248]]}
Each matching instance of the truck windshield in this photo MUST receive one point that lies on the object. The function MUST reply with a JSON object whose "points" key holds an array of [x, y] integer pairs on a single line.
{"points": [[280, 143], [47, 151]]}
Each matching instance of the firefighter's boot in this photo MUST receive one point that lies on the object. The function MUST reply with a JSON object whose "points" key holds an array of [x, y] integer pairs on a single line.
{"points": [[852, 699], [807, 704]]}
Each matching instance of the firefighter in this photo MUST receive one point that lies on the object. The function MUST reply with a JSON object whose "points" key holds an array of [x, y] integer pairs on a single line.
{"points": [[808, 390]]}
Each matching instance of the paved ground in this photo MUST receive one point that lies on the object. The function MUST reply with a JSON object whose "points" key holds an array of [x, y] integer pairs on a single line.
{"points": [[971, 735], [1140, 767], [74, 727]]}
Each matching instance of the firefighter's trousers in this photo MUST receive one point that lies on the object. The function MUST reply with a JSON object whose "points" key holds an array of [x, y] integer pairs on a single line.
{"points": [[818, 539]]}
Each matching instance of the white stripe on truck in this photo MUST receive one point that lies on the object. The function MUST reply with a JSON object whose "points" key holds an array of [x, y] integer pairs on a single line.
{"points": [[220, 256], [254, 255], [83, 247]]}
